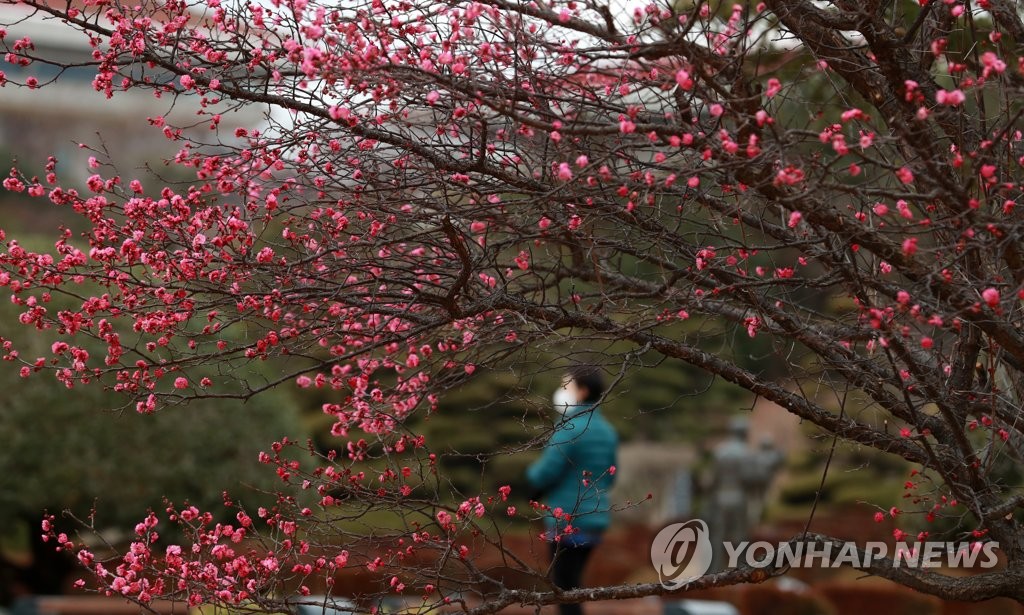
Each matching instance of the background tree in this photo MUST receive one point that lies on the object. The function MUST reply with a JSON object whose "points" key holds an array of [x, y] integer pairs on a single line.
{"points": [[455, 186], [77, 453]]}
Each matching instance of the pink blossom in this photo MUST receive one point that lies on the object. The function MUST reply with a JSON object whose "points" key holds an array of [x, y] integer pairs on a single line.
{"points": [[789, 176], [992, 64], [851, 114], [339, 113], [991, 297], [181, 383], [683, 79], [909, 87], [564, 172], [444, 519], [265, 255], [950, 98]]}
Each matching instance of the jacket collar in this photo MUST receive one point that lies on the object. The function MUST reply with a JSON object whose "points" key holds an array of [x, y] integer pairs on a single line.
{"points": [[577, 409]]}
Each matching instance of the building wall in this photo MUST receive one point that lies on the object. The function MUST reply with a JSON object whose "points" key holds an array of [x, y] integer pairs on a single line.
{"points": [[66, 110]]}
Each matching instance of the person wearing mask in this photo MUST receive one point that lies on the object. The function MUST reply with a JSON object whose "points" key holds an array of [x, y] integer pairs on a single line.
{"points": [[573, 477]]}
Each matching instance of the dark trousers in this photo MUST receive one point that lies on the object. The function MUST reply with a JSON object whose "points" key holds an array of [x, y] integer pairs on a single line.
{"points": [[567, 571]]}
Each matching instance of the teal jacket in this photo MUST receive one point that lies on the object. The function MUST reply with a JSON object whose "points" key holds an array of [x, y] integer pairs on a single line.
{"points": [[573, 472]]}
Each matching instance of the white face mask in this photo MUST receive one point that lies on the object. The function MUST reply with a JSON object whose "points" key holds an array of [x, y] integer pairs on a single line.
{"points": [[562, 400]]}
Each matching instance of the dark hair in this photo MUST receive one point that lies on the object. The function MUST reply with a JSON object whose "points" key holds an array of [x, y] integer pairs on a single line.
{"points": [[589, 377]]}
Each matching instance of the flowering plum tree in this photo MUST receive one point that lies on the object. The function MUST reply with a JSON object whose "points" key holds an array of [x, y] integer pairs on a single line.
{"points": [[441, 186]]}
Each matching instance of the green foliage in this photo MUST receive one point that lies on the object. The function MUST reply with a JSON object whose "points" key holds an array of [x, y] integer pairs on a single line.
{"points": [[856, 474], [479, 428], [67, 451], [73, 449]]}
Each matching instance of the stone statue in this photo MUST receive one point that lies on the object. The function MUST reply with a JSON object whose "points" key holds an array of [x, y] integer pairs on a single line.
{"points": [[739, 482], [768, 460], [729, 518]]}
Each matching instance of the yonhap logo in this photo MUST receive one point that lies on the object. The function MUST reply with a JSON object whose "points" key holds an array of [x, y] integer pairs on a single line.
{"points": [[681, 552]]}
